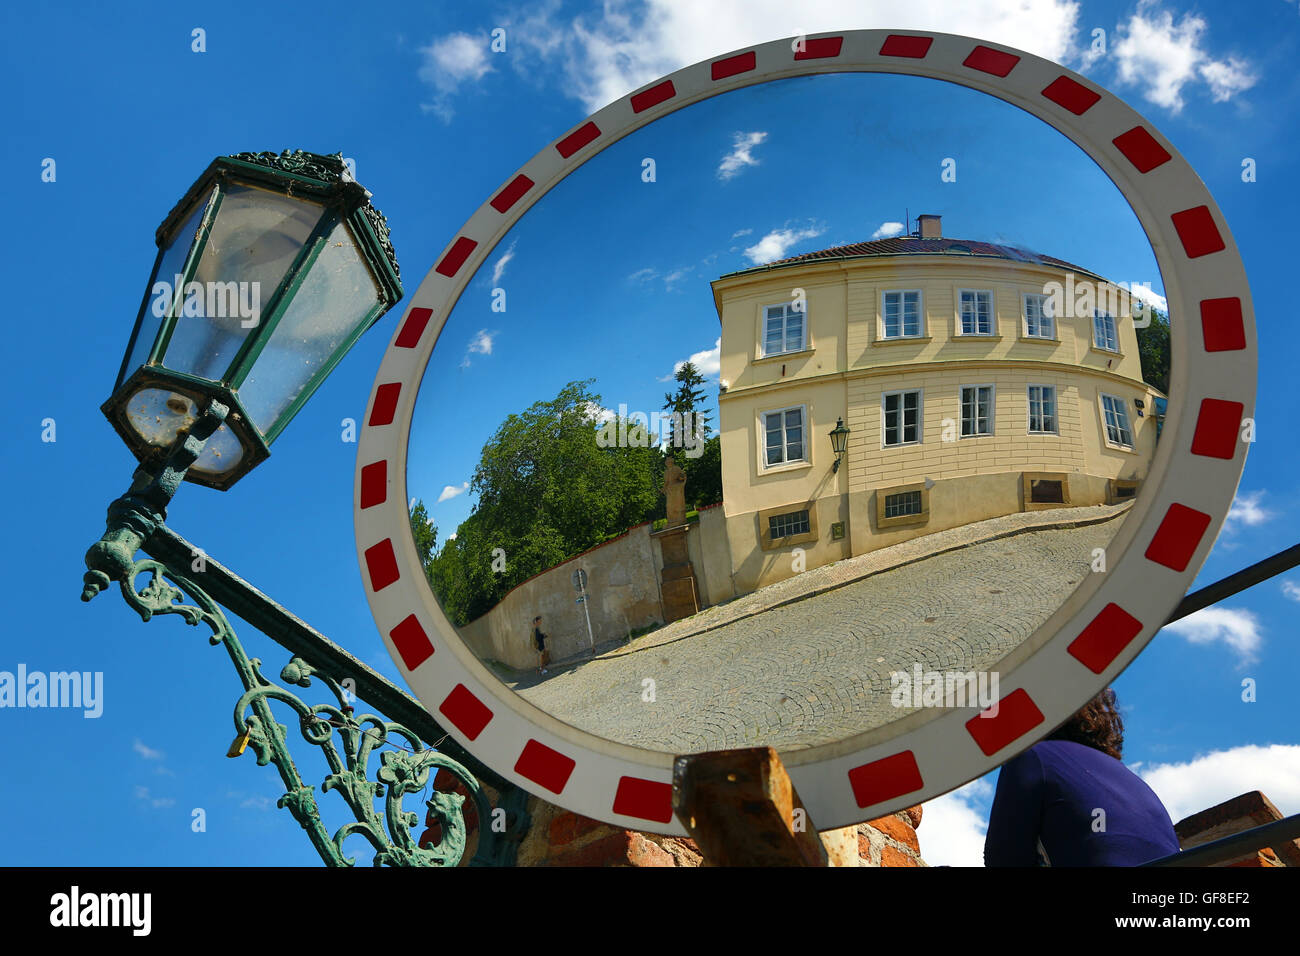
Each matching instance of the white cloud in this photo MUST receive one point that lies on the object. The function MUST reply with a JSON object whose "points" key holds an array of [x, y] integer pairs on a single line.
{"points": [[708, 362], [643, 275], [158, 803], [741, 232], [1209, 779], [599, 413], [480, 344], [953, 826], [451, 491], [1238, 628], [677, 275], [1162, 58], [1291, 590], [1246, 510], [499, 269], [741, 155], [888, 229], [628, 43], [775, 243], [148, 753], [452, 536], [1145, 294], [447, 63]]}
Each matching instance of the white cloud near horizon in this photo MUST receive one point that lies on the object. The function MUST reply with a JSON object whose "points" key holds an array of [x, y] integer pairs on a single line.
{"points": [[1211, 778], [888, 230], [707, 361], [1237, 628], [741, 155], [451, 491], [954, 825], [773, 246]]}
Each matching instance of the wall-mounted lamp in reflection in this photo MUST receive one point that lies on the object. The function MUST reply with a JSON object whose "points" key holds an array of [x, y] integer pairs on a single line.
{"points": [[839, 442]]}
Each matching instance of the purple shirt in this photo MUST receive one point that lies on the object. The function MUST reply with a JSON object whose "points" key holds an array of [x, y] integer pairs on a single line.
{"points": [[1067, 804]]}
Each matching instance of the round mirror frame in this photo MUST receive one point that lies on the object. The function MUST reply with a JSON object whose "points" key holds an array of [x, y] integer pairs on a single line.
{"points": [[1079, 650]]}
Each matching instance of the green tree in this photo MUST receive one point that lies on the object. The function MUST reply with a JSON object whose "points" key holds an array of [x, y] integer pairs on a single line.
{"points": [[688, 399], [425, 533], [704, 474], [1153, 350], [547, 490]]}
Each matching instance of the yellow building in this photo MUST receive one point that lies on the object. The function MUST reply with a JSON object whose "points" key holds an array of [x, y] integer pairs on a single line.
{"points": [[969, 392]]}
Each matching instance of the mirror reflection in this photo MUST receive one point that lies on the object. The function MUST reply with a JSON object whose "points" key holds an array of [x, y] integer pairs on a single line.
{"points": [[790, 414]]}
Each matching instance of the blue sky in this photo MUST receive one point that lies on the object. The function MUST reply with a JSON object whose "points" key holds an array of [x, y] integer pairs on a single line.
{"points": [[436, 122]]}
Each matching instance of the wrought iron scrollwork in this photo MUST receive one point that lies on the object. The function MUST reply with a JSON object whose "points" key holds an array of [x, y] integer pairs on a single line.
{"points": [[347, 740]]}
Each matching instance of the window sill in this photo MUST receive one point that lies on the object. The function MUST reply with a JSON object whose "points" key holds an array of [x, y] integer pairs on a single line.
{"points": [[1044, 434], [781, 357], [903, 521], [1109, 353], [1127, 449], [786, 467], [901, 444], [1038, 340], [903, 340], [975, 337]]}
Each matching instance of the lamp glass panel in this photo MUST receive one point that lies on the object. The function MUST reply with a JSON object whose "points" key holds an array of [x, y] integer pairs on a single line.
{"points": [[158, 415], [338, 293], [256, 236], [162, 287]]}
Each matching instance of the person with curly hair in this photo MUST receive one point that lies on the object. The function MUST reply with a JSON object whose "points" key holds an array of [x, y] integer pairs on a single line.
{"points": [[1070, 801]]}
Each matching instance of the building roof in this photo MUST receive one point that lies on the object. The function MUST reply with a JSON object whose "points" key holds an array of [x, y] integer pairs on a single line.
{"points": [[908, 245]]}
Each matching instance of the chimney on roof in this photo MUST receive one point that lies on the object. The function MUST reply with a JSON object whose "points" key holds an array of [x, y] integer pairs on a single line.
{"points": [[928, 226]]}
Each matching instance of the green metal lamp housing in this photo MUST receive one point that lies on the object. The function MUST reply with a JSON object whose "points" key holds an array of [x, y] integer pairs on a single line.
{"points": [[839, 442], [268, 271]]}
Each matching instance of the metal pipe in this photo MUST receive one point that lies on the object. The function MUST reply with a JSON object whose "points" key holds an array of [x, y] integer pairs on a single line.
{"points": [[1230, 847]]}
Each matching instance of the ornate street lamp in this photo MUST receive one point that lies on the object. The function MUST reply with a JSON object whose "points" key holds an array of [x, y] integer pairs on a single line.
{"points": [[268, 270], [839, 442]]}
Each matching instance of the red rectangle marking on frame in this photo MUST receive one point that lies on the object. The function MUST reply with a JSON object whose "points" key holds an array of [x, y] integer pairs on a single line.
{"points": [[1016, 715], [545, 767], [469, 714], [645, 799], [1101, 641], [885, 779], [411, 642], [385, 406], [1178, 536]]}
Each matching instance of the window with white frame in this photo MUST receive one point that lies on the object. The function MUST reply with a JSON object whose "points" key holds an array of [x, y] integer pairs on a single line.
{"points": [[1115, 410], [1105, 335], [900, 414], [783, 436], [1039, 323], [1042, 409], [976, 410], [783, 329], [901, 311], [976, 312]]}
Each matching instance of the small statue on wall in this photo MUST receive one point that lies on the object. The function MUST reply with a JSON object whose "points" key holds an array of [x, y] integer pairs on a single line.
{"points": [[674, 492]]}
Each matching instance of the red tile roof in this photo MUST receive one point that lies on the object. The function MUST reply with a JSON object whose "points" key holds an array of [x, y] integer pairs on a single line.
{"points": [[900, 245]]}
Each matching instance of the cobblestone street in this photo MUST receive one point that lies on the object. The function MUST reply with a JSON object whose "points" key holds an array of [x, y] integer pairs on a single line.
{"points": [[818, 669]]}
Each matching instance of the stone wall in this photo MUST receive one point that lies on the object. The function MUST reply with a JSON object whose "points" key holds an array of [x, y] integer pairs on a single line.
{"points": [[623, 595], [562, 838]]}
